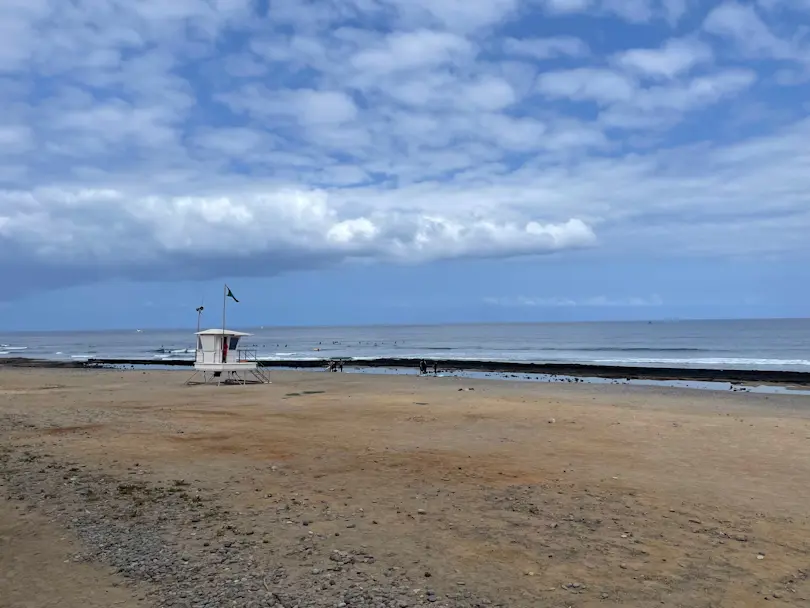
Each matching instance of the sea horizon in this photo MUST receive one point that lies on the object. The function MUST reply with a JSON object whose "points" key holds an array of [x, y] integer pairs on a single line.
{"points": [[760, 344]]}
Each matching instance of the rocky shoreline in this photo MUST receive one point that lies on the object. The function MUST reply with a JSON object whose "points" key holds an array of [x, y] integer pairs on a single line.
{"points": [[573, 370]]}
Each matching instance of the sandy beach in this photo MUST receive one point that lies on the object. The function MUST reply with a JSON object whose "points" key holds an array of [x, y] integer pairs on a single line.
{"points": [[131, 489]]}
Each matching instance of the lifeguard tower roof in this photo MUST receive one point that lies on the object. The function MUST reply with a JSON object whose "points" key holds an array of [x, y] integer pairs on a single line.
{"points": [[221, 332]]}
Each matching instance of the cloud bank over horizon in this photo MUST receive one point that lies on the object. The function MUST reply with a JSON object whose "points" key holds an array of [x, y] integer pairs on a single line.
{"points": [[152, 140]]}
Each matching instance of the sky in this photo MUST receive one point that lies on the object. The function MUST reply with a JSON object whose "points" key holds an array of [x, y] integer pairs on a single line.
{"points": [[402, 161]]}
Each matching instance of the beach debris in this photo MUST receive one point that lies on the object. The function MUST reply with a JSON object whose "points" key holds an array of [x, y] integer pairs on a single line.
{"points": [[551, 421], [341, 557], [760, 555]]}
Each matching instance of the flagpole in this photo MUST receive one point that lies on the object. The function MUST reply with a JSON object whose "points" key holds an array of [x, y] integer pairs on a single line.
{"points": [[224, 302]]}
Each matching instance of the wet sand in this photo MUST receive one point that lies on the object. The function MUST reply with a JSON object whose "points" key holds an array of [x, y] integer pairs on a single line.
{"points": [[503, 493], [507, 369]]}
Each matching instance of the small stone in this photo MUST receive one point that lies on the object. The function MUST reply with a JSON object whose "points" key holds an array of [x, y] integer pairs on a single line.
{"points": [[421, 511], [551, 421]]}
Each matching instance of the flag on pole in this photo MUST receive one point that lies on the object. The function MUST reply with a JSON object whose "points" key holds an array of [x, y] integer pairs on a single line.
{"points": [[230, 294]]}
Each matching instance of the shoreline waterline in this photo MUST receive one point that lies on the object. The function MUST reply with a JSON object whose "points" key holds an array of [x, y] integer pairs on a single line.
{"points": [[504, 369]]}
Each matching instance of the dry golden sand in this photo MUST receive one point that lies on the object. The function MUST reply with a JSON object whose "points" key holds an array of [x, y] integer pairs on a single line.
{"points": [[528, 494]]}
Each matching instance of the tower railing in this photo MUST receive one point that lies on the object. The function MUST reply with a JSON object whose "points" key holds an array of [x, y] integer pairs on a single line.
{"points": [[246, 354]]}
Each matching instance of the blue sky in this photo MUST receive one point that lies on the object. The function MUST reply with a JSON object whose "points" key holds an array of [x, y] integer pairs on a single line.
{"points": [[367, 161]]}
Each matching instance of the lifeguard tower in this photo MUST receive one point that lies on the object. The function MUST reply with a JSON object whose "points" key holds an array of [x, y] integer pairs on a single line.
{"points": [[220, 360]]}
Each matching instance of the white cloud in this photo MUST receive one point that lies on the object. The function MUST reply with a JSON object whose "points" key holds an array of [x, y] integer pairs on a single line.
{"points": [[459, 15], [161, 140], [675, 58], [587, 84], [546, 48], [324, 107], [659, 106], [111, 230], [741, 25], [413, 50], [633, 11], [568, 6], [15, 139], [674, 10], [307, 107], [779, 5]]}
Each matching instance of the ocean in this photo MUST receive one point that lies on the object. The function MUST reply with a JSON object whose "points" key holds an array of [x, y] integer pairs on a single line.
{"points": [[782, 344]]}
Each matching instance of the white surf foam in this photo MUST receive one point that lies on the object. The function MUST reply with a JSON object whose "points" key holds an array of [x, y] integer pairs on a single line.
{"points": [[710, 361]]}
